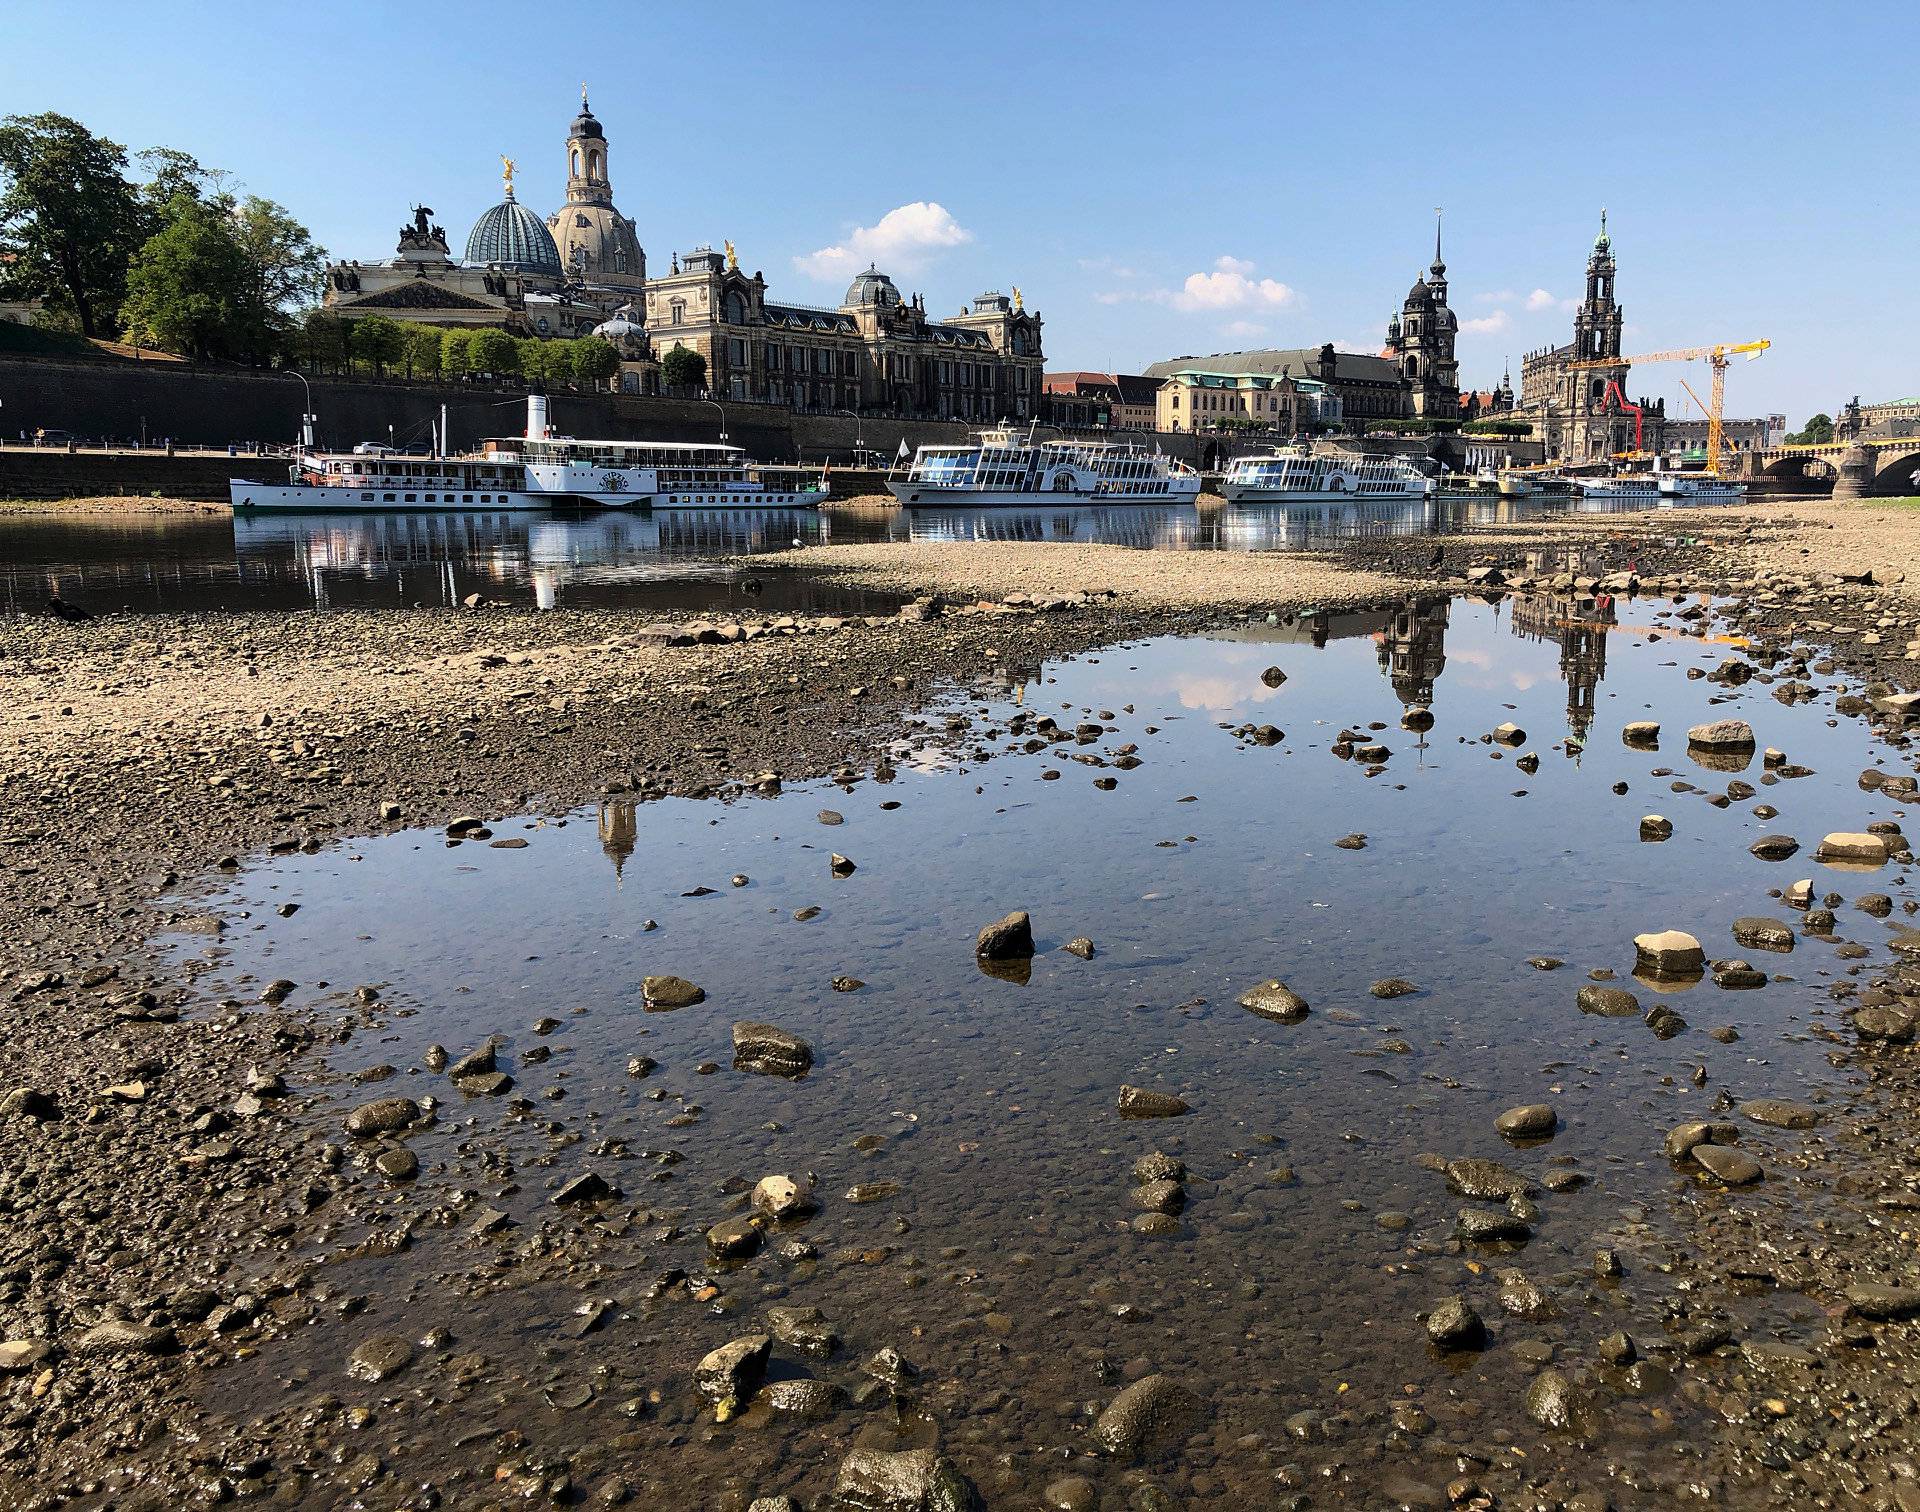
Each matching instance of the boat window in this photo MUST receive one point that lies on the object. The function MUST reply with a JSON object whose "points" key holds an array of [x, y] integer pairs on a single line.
{"points": [[387, 498], [409, 499], [366, 498]]}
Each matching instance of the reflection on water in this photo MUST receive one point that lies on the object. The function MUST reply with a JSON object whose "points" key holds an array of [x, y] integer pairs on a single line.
{"points": [[984, 1108], [672, 559]]}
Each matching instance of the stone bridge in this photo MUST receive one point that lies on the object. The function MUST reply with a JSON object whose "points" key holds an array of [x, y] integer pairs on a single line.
{"points": [[1859, 469]]}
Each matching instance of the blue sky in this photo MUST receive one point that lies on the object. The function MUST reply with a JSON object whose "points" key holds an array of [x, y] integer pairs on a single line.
{"points": [[1158, 179]]}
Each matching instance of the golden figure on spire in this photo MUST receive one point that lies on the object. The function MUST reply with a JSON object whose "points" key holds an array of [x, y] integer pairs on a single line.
{"points": [[583, 94], [1019, 303], [733, 262], [506, 173]]}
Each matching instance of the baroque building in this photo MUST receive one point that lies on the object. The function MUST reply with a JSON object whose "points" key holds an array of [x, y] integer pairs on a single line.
{"points": [[877, 352], [583, 271], [1581, 414], [1420, 342]]}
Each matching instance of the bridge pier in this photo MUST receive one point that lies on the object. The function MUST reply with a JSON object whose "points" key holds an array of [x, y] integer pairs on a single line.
{"points": [[1856, 473]]}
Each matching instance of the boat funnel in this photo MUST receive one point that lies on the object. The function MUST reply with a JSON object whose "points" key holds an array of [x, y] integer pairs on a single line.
{"points": [[537, 415]]}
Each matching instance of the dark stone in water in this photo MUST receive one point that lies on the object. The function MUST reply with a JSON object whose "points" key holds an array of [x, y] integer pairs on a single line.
{"points": [[1154, 1415], [1140, 1102], [1608, 1002], [770, 1051], [1006, 939]]}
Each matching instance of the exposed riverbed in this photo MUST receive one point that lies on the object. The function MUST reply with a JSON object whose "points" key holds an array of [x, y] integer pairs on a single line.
{"points": [[389, 1311]]}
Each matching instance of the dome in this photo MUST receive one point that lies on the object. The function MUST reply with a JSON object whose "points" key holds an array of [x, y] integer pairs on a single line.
{"points": [[1419, 294], [872, 287], [626, 334], [514, 237], [584, 125], [599, 244]]}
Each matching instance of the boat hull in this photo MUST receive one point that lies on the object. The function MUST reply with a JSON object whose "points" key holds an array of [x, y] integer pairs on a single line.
{"points": [[923, 496], [245, 495], [1240, 493]]}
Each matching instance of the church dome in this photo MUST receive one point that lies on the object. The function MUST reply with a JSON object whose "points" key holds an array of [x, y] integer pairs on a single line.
{"points": [[872, 287], [514, 237], [600, 245], [1419, 294]]}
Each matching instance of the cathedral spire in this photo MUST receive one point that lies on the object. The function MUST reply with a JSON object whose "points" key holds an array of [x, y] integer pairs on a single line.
{"points": [[1438, 265]]}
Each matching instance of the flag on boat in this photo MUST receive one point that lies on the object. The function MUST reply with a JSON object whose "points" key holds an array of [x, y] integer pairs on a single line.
{"points": [[902, 454]]}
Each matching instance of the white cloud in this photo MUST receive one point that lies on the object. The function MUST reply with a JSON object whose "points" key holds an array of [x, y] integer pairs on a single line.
{"points": [[1540, 299], [1497, 297], [1243, 330], [1483, 324], [902, 240], [1229, 286]]}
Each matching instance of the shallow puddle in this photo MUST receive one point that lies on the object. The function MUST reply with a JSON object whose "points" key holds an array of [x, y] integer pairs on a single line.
{"points": [[973, 1175]]}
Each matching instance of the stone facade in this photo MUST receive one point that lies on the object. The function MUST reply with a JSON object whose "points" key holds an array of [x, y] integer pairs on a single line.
{"points": [[1194, 401], [1571, 409], [1116, 401], [876, 353], [1353, 390]]}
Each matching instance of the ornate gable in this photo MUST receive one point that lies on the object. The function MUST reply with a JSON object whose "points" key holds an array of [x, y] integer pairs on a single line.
{"points": [[419, 294]]}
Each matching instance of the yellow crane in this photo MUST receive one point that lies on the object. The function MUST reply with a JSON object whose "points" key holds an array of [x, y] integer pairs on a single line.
{"points": [[1717, 357]]}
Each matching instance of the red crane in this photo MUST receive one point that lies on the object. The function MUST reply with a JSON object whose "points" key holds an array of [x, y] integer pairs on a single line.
{"points": [[1614, 391]]}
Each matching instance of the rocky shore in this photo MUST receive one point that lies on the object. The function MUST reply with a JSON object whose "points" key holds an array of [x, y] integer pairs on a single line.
{"points": [[173, 1164]]}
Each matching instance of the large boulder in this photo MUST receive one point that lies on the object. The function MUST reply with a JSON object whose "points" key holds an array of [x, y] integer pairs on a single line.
{"points": [[1274, 999], [770, 1050], [1152, 1416], [1722, 735], [1006, 939], [906, 1480], [1670, 953]]}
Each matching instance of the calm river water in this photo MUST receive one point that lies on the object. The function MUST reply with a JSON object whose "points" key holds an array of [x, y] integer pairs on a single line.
{"points": [[973, 1174]]}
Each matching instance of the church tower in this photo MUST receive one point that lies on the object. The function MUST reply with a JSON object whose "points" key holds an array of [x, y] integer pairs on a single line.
{"points": [[598, 245], [1420, 341], [1596, 337]]}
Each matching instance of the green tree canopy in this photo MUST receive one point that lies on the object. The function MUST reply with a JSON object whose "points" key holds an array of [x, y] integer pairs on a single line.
{"points": [[285, 266], [1818, 432], [456, 352], [595, 360], [69, 219], [187, 290], [493, 351], [683, 368], [381, 341], [425, 345]]}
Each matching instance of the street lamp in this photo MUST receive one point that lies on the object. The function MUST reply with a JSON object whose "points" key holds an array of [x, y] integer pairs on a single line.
{"points": [[306, 415], [860, 432], [723, 415]]}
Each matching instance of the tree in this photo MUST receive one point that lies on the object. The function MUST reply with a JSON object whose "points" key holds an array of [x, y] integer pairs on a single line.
{"points": [[1819, 432], [380, 341], [287, 268], [683, 368], [187, 289], [456, 353], [595, 360], [536, 359], [493, 351], [425, 346], [69, 219]]}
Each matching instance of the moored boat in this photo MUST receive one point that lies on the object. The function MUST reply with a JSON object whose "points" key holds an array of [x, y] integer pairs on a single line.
{"points": [[1003, 466], [536, 471], [1296, 474]]}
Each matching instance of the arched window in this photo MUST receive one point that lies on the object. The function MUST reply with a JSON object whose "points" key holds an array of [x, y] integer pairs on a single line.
{"points": [[573, 162], [679, 311], [593, 162], [735, 306]]}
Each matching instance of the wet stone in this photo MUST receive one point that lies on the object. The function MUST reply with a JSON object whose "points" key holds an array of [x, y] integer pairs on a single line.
{"points": [[1453, 1324], [1490, 1225], [1160, 1197], [665, 993], [380, 1358], [1154, 1415], [1532, 1121], [1759, 933], [384, 1115], [1274, 999], [1608, 1002], [1669, 953], [1487, 1180], [1731, 1166], [1656, 827], [731, 1372], [1005, 939], [805, 1329], [1143, 1102], [906, 1480], [1392, 987], [1079, 946], [1780, 1112], [1774, 847], [770, 1051], [1553, 1403]]}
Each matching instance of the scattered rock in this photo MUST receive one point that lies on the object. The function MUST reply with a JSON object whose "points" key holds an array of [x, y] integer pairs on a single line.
{"points": [[1006, 939], [1670, 953], [665, 993], [1154, 1415], [728, 1374], [1140, 1102], [385, 1115], [770, 1051], [1275, 1000], [1533, 1121], [1453, 1324]]}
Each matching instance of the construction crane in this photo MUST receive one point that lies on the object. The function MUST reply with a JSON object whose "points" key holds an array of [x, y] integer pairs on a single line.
{"points": [[1717, 356]]}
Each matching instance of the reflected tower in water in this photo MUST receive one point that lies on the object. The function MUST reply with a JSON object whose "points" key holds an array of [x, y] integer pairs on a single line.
{"points": [[1413, 649], [1579, 622], [618, 831]]}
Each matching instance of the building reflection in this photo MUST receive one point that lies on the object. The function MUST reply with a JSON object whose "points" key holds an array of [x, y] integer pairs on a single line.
{"points": [[618, 831], [1579, 623], [1413, 649]]}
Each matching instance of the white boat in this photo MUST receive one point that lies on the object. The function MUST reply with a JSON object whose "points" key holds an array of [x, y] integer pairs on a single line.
{"points": [[536, 471], [1513, 485], [1010, 467], [1295, 474], [1660, 489]]}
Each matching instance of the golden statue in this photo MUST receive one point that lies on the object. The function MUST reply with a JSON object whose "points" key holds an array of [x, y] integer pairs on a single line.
{"points": [[506, 173], [733, 262], [1019, 304]]}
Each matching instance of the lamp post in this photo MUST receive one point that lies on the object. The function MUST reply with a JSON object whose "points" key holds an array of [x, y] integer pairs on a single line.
{"points": [[860, 432], [306, 415], [723, 416]]}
